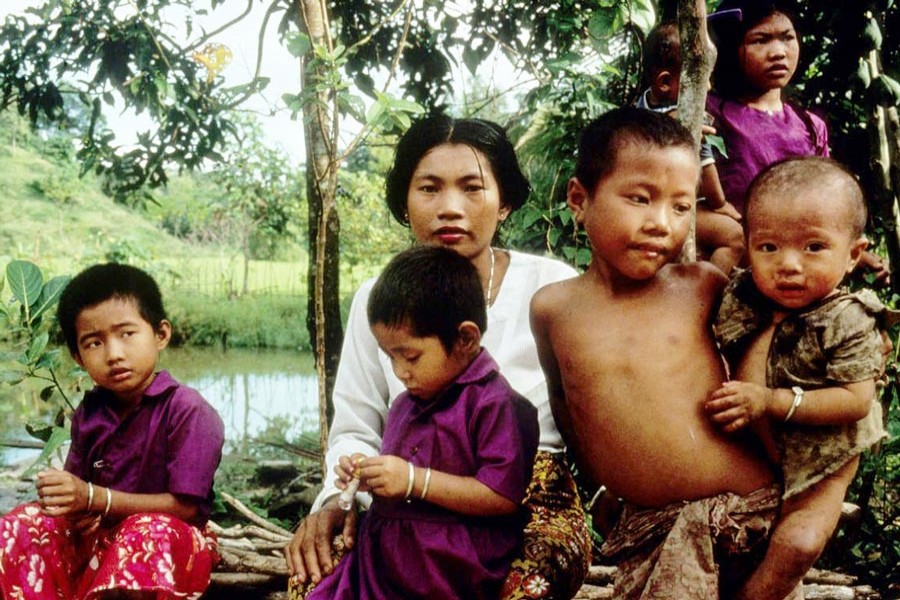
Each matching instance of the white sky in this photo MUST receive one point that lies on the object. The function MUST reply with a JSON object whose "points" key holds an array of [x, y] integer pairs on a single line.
{"points": [[282, 69]]}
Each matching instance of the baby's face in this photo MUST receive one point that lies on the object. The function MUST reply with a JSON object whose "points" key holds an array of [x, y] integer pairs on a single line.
{"points": [[639, 215], [800, 247]]}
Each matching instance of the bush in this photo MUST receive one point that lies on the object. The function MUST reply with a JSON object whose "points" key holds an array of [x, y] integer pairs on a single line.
{"points": [[243, 322]]}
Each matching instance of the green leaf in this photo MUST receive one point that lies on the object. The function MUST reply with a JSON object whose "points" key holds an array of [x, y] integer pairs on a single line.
{"points": [[871, 36], [58, 437], [886, 91], [863, 73], [50, 295], [717, 142], [49, 360], [36, 348], [40, 431], [25, 281], [12, 377], [583, 258]]}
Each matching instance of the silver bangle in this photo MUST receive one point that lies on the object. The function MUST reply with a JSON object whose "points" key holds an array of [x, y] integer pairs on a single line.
{"points": [[108, 502], [90, 496], [798, 398], [427, 481], [412, 480]]}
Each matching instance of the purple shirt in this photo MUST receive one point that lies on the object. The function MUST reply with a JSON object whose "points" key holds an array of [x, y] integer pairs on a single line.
{"points": [[171, 443], [479, 427], [755, 139]]}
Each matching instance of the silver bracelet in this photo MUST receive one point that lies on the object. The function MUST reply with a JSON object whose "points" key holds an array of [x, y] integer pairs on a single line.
{"points": [[108, 502], [798, 398], [90, 496], [427, 481], [412, 480]]}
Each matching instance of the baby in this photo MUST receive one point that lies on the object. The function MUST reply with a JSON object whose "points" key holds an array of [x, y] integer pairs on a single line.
{"points": [[805, 352]]}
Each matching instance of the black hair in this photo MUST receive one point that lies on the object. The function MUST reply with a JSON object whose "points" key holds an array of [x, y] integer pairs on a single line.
{"points": [[103, 282], [431, 290], [786, 177], [606, 135], [485, 136], [728, 29], [661, 51]]}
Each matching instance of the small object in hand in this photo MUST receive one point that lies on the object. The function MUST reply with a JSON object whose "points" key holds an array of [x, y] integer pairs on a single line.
{"points": [[345, 500]]}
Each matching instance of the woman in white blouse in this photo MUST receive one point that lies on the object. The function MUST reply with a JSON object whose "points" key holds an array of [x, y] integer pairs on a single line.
{"points": [[453, 182]]}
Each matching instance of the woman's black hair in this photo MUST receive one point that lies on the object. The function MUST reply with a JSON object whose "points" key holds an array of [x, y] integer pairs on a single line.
{"points": [[103, 282], [431, 290], [426, 134], [727, 28]]}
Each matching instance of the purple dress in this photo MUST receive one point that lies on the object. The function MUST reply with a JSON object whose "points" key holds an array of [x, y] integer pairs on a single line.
{"points": [[755, 139], [478, 427]]}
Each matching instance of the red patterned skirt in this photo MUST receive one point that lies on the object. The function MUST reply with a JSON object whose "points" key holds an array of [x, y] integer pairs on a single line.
{"points": [[40, 559]]}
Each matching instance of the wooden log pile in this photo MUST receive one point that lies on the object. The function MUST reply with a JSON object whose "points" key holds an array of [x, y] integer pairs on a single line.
{"points": [[253, 567], [817, 585]]}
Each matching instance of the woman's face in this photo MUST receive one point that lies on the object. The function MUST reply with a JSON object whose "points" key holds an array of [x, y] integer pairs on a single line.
{"points": [[454, 200], [769, 53]]}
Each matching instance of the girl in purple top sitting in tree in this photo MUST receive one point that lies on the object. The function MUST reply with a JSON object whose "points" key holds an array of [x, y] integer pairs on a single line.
{"points": [[446, 519], [758, 53], [125, 518]]}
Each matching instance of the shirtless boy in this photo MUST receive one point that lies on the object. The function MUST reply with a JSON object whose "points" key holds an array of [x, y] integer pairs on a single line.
{"points": [[629, 357]]}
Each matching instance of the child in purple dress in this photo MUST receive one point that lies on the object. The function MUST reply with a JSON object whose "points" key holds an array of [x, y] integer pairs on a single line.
{"points": [[458, 446], [126, 517], [758, 54]]}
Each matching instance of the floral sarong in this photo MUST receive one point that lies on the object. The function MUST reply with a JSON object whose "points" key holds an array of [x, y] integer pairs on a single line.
{"points": [[41, 559]]}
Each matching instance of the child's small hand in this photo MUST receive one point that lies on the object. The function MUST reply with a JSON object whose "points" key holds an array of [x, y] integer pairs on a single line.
{"points": [[737, 404], [61, 493], [386, 476], [347, 468]]}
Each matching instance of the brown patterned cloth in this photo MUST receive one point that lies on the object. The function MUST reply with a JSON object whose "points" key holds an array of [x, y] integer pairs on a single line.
{"points": [[556, 552], [704, 549], [832, 342]]}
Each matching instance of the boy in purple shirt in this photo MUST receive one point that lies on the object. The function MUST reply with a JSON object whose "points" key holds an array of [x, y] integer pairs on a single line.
{"points": [[126, 512], [458, 446]]}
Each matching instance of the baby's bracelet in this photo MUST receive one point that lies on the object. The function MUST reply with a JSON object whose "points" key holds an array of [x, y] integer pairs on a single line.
{"points": [[412, 480], [90, 496], [108, 502], [427, 481], [798, 398]]}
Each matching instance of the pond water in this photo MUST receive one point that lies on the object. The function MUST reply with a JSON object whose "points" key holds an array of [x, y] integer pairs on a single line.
{"points": [[257, 393]]}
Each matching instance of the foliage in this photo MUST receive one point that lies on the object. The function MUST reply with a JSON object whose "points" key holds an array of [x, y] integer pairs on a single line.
{"points": [[27, 317], [99, 55], [247, 321], [261, 195]]}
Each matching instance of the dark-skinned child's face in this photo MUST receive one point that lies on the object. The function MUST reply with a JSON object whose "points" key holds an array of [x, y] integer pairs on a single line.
{"points": [[639, 215], [118, 348]]}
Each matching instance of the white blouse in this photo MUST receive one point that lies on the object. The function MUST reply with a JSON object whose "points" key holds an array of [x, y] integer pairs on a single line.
{"points": [[366, 384]]}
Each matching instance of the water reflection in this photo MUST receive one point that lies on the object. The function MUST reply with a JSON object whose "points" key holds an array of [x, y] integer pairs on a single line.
{"points": [[255, 392]]}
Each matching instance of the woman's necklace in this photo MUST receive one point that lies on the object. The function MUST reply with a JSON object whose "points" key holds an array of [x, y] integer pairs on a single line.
{"points": [[490, 278]]}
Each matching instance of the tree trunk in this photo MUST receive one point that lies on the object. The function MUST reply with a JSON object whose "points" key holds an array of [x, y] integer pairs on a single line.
{"points": [[698, 56], [885, 164], [323, 308]]}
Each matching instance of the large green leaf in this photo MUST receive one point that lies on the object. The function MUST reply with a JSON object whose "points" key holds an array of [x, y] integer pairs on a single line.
{"points": [[50, 295], [25, 281]]}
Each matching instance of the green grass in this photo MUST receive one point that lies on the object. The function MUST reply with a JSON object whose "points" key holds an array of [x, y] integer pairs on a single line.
{"points": [[64, 235]]}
